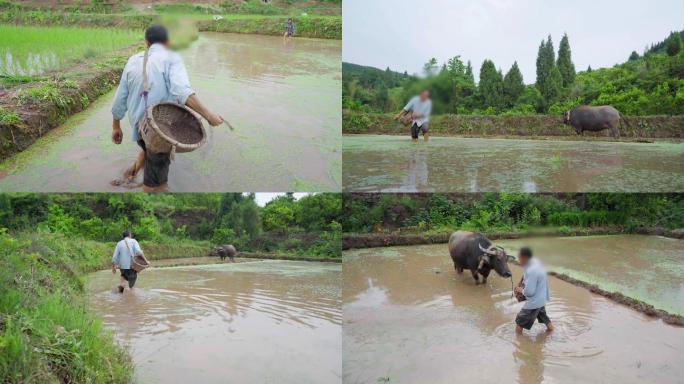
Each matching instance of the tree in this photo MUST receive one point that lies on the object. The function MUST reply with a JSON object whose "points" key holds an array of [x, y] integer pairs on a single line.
{"points": [[513, 85], [430, 68], [280, 214], [554, 87], [491, 85], [319, 210], [549, 77], [469, 73], [634, 56], [674, 44], [565, 65]]}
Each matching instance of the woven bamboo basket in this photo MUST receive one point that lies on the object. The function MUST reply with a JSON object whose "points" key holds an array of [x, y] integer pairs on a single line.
{"points": [[171, 128], [138, 263]]}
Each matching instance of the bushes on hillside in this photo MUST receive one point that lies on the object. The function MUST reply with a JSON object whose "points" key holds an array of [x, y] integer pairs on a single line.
{"points": [[509, 211]]}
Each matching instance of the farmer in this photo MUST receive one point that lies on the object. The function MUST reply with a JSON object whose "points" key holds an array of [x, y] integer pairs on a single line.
{"points": [[168, 81], [417, 113], [535, 287], [123, 257], [289, 28]]}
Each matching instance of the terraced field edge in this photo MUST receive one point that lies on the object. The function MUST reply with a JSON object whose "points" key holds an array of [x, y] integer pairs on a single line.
{"points": [[534, 126]]}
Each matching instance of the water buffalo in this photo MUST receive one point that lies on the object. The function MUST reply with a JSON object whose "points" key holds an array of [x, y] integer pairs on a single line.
{"points": [[475, 252], [224, 251], [594, 119]]}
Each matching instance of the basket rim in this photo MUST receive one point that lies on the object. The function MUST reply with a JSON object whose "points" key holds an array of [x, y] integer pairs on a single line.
{"points": [[171, 141]]}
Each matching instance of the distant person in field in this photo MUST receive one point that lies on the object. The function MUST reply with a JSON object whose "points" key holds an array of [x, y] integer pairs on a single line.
{"points": [[417, 114], [123, 258], [289, 28], [534, 286], [168, 80]]}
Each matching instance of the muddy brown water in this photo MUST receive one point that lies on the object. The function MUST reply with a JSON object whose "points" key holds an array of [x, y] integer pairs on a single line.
{"points": [[243, 322], [648, 268], [374, 163], [408, 318], [282, 96]]}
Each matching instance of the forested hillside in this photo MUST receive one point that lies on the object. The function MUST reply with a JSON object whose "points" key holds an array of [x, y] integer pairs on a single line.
{"points": [[648, 84], [308, 226]]}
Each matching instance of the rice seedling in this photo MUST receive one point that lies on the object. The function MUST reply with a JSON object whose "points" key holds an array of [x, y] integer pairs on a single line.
{"points": [[31, 51]]}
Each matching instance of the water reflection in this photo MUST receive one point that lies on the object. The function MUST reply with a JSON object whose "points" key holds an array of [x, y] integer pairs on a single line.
{"points": [[237, 321], [377, 164]]}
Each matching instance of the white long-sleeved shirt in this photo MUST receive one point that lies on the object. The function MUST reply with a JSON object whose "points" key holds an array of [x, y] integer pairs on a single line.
{"points": [[122, 255], [167, 77], [536, 285]]}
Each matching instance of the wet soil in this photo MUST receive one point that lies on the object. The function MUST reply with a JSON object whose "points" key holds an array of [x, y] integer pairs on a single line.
{"points": [[408, 317], [282, 97], [451, 164], [256, 321]]}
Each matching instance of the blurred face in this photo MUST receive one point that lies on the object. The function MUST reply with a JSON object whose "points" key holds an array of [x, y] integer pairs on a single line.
{"points": [[424, 95], [523, 260]]}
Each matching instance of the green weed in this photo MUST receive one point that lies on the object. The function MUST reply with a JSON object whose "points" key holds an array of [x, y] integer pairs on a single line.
{"points": [[9, 117]]}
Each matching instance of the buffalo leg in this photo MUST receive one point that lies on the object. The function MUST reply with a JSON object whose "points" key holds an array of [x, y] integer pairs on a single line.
{"points": [[616, 132], [484, 274], [475, 276]]}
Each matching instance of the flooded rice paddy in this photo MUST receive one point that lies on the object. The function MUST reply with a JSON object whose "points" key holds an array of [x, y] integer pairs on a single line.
{"points": [[648, 268], [253, 321], [408, 317], [454, 164], [282, 96]]}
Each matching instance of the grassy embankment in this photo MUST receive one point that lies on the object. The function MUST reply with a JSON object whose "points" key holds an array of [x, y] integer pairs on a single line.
{"points": [[533, 126], [441, 236], [313, 26], [35, 98], [46, 333]]}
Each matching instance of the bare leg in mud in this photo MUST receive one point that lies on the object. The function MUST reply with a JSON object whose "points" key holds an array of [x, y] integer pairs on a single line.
{"points": [[122, 284], [133, 170], [549, 327], [129, 175], [518, 330]]}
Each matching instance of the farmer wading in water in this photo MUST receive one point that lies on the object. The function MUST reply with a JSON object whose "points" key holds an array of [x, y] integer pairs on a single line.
{"points": [[417, 113], [123, 258], [535, 287], [168, 81]]}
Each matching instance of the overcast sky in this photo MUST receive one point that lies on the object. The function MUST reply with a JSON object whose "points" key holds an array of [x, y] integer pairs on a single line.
{"points": [[263, 198], [404, 34]]}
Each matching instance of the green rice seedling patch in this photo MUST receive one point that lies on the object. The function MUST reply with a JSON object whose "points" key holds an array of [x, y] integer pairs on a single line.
{"points": [[35, 50]]}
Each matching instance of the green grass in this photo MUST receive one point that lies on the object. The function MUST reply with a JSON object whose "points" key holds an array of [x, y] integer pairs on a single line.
{"points": [[49, 91], [46, 333], [8, 117], [34, 50]]}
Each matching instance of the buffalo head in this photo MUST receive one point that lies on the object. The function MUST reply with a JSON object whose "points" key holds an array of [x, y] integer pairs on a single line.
{"points": [[496, 258]]}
